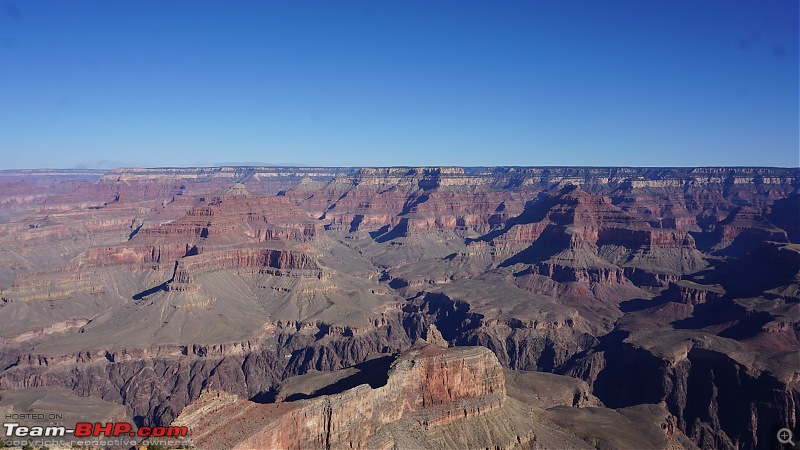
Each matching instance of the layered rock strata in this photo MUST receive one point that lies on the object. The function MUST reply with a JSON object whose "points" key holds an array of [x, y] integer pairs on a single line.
{"points": [[143, 287]]}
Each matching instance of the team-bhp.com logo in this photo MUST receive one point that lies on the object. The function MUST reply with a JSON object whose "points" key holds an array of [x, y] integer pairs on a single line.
{"points": [[96, 429]]}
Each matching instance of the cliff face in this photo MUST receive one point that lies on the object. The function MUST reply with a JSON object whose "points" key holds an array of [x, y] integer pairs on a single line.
{"points": [[431, 397], [446, 385], [144, 287]]}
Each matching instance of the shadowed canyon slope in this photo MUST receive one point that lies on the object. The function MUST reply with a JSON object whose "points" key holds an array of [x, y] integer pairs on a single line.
{"points": [[428, 397], [671, 294]]}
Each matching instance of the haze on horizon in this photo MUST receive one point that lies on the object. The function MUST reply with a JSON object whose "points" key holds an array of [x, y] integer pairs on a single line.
{"points": [[667, 83]]}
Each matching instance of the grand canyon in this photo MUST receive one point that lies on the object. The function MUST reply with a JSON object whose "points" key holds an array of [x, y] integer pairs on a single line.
{"points": [[407, 307]]}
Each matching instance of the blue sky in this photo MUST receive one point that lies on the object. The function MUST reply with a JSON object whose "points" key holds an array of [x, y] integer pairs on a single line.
{"points": [[373, 83]]}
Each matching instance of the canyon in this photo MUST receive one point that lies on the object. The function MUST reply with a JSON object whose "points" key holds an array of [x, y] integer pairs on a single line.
{"points": [[499, 307]]}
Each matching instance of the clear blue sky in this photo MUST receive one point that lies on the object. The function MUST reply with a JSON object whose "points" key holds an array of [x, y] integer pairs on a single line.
{"points": [[387, 82]]}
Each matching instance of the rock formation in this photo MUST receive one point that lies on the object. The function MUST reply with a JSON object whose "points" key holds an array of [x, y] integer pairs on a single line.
{"points": [[147, 287], [431, 397]]}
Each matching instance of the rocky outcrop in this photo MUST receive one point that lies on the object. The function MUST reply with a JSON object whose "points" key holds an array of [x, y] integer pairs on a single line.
{"points": [[692, 293], [435, 386], [272, 260], [744, 229], [421, 400]]}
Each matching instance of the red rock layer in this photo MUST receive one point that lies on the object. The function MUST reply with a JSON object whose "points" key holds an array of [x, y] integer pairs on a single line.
{"points": [[435, 384]]}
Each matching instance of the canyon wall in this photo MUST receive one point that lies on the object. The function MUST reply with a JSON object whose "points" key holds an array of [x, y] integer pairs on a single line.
{"points": [[145, 287]]}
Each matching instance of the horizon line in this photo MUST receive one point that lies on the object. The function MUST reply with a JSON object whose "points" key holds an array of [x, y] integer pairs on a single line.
{"points": [[435, 166]]}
